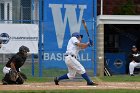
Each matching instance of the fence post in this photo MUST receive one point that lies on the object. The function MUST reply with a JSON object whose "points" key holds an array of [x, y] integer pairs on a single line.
{"points": [[40, 38], [101, 7], [32, 13], [33, 65], [95, 29]]}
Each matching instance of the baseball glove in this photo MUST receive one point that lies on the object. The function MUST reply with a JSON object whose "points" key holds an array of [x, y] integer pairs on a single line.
{"points": [[13, 75]]}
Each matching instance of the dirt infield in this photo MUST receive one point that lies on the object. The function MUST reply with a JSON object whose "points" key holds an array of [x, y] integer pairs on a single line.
{"points": [[71, 85]]}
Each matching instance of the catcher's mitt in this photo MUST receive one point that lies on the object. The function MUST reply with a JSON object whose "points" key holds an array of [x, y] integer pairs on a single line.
{"points": [[13, 75]]}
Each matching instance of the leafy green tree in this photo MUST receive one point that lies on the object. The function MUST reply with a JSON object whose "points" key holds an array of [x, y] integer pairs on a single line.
{"points": [[126, 9]]}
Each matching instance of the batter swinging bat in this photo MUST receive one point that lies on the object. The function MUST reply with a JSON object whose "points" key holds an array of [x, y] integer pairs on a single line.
{"points": [[85, 26]]}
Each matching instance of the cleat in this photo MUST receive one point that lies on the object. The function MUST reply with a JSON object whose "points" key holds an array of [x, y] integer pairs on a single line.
{"points": [[132, 75], [4, 82], [92, 84], [56, 81]]}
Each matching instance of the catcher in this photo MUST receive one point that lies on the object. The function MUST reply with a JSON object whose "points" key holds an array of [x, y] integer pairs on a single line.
{"points": [[12, 69]]}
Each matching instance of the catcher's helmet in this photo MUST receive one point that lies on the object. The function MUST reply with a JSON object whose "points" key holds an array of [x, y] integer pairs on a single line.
{"points": [[24, 48], [76, 34]]}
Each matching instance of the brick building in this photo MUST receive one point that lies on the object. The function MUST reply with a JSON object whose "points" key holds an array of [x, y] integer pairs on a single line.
{"points": [[112, 6]]}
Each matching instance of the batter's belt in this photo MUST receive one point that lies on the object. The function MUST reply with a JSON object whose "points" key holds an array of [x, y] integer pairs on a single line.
{"points": [[71, 56]]}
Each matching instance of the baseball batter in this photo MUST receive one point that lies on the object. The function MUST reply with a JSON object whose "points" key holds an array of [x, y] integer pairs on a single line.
{"points": [[74, 66]]}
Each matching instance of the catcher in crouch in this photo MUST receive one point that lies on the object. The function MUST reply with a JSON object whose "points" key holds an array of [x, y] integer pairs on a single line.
{"points": [[12, 69]]}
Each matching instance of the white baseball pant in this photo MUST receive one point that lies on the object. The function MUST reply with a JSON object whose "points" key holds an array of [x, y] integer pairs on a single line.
{"points": [[132, 65], [6, 70], [74, 66]]}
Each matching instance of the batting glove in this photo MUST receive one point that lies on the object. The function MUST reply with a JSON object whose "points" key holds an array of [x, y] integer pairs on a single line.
{"points": [[90, 42]]}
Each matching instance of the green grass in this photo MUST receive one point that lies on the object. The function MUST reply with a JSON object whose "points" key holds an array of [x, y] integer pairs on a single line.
{"points": [[120, 78], [49, 74], [77, 91], [117, 78], [39, 79]]}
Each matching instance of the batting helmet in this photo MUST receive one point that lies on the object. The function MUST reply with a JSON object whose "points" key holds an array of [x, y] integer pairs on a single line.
{"points": [[76, 34], [134, 46], [24, 48]]}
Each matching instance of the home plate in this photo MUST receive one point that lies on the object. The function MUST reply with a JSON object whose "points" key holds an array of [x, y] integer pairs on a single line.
{"points": [[86, 86], [78, 86]]}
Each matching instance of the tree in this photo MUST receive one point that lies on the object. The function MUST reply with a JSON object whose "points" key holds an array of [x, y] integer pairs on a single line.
{"points": [[126, 9]]}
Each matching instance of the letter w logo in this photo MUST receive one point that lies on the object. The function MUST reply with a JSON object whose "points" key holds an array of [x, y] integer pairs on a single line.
{"points": [[70, 16]]}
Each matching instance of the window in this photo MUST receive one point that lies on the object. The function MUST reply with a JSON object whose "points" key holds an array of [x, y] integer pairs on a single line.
{"points": [[1, 11], [8, 8], [25, 11], [5, 11], [111, 43]]}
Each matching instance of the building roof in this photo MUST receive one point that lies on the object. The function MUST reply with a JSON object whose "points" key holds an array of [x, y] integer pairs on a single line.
{"points": [[118, 19]]}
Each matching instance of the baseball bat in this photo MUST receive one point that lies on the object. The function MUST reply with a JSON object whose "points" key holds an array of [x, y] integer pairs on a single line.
{"points": [[107, 72], [85, 26]]}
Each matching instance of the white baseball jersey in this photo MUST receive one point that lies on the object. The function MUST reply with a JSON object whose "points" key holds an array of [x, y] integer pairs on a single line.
{"points": [[134, 63], [72, 48], [72, 63]]}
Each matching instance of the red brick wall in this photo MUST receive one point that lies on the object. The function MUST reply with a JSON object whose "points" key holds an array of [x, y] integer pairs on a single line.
{"points": [[110, 6]]}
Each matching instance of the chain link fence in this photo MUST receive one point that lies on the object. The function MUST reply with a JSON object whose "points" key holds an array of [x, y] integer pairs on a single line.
{"points": [[20, 12], [27, 12]]}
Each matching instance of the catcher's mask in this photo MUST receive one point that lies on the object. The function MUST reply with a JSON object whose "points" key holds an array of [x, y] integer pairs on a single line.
{"points": [[24, 49]]}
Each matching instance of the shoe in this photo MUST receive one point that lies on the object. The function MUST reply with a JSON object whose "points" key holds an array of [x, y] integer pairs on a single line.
{"points": [[4, 82], [132, 75], [92, 83], [56, 81]]}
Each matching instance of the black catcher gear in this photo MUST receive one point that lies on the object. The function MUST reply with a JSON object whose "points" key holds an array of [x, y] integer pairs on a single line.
{"points": [[13, 75], [24, 49]]}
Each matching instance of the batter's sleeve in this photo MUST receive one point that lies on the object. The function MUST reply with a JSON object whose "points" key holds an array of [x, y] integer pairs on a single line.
{"points": [[75, 40]]}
